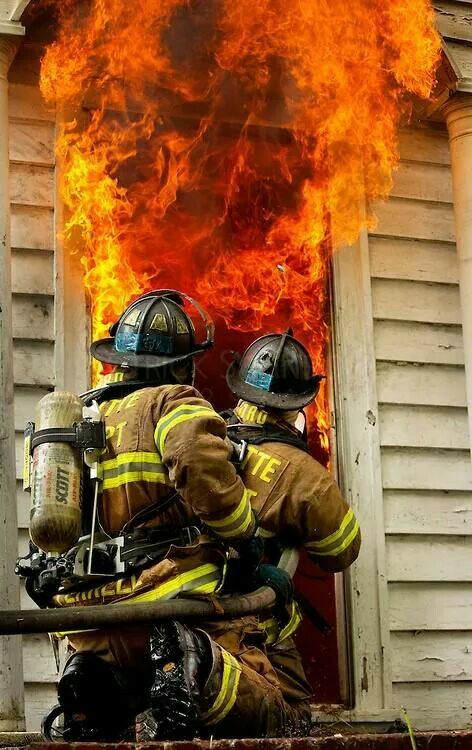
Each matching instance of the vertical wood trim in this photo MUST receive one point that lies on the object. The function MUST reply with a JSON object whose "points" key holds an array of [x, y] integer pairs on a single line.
{"points": [[360, 476], [72, 325]]}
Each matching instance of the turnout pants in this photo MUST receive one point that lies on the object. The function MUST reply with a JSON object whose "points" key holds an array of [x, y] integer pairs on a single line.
{"points": [[244, 696]]}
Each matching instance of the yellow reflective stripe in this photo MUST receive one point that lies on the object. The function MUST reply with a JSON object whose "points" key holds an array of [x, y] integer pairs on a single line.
{"points": [[292, 624], [182, 582], [132, 457], [136, 466], [271, 627], [226, 697], [224, 687], [236, 522], [134, 476], [177, 416], [238, 511], [344, 544], [335, 535]]}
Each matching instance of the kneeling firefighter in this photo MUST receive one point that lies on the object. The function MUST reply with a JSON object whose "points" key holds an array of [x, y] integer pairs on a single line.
{"points": [[296, 500], [169, 506]]}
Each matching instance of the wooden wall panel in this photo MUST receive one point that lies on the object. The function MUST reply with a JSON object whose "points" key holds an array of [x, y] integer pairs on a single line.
{"points": [[416, 469], [33, 317], [424, 426], [33, 272], [412, 557], [32, 195], [420, 383], [413, 260], [428, 512], [431, 656], [424, 343], [424, 433], [415, 219], [416, 301], [436, 705], [419, 606]]}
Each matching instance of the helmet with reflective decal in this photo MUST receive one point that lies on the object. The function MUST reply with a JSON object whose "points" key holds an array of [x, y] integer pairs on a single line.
{"points": [[275, 371], [154, 331]]}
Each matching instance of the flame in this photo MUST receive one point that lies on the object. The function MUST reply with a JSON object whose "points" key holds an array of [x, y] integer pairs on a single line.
{"points": [[224, 146]]}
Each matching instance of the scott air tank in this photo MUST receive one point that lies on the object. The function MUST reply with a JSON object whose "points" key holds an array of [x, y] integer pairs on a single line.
{"points": [[56, 480]]}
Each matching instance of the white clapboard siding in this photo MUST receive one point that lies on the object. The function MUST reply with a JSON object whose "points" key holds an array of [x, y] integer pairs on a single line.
{"points": [[423, 426], [413, 558], [420, 383], [413, 260], [416, 301], [430, 606], [406, 341], [400, 217], [424, 436], [32, 142], [33, 272], [424, 146], [39, 664], [435, 705], [428, 512], [31, 185], [432, 656], [32, 228], [32, 196], [33, 362], [435, 469], [430, 182], [39, 698], [33, 316]]}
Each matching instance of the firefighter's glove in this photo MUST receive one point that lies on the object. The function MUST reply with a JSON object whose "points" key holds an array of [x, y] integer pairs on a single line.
{"points": [[250, 553], [278, 580], [241, 570]]}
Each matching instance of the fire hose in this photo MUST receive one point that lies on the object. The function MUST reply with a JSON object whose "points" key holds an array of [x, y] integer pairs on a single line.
{"points": [[22, 622]]}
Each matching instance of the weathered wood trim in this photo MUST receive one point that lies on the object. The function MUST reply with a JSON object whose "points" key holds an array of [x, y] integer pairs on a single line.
{"points": [[72, 322], [360, 475]]}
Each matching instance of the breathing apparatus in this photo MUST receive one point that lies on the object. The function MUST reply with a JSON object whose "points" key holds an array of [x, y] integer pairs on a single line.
{"points": [[65, 438]]}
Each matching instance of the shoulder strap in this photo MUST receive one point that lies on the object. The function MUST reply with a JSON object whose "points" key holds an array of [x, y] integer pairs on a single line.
{"points": [[113, 390], [255, 434]]}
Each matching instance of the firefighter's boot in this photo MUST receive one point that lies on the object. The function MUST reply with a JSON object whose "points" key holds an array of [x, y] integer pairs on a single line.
{"points": [[94, 701], [181, 661]]}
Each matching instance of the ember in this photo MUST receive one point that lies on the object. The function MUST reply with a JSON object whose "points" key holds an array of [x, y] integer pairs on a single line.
{"points": [[228, 144]]}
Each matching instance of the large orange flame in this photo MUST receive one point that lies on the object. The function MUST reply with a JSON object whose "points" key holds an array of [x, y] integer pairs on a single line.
{"points": [[224, 146]]}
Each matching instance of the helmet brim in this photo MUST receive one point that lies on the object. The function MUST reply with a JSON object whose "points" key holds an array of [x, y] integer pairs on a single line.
{"points": [[284, 402], [104, 350]]}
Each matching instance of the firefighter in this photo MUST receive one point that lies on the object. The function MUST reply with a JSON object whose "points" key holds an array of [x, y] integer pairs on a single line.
{"points": [[166, 474], [296, 500]]}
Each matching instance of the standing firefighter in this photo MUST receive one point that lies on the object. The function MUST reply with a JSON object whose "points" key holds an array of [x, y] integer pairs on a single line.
{"points": [[169, 492], [296, 500]]}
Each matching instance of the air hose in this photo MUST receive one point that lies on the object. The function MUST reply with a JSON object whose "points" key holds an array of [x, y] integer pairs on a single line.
{"points": [[26, 621]]}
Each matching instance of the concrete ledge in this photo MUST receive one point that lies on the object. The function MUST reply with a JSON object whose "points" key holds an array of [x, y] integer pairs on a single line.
{"points": [[458, 740], [18, 739]]}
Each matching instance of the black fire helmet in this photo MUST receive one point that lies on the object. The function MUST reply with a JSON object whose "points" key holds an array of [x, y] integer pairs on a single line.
{"points": [[275, 371], [154, 331]]}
